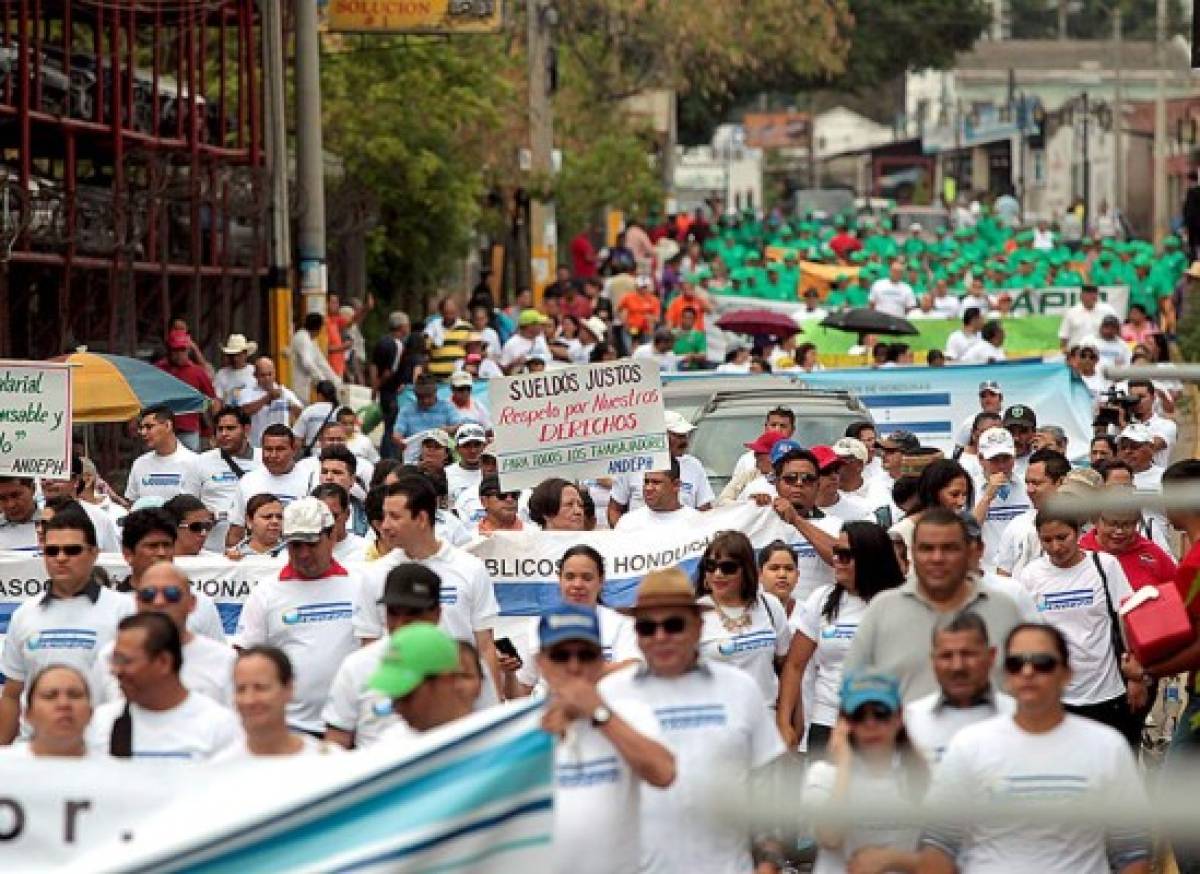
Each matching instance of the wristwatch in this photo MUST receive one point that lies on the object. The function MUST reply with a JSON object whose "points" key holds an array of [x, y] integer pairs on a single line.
{"points": [[601, 716]]}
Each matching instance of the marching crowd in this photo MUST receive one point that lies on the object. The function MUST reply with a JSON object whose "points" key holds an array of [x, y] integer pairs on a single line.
{"points": [[926, 630]]}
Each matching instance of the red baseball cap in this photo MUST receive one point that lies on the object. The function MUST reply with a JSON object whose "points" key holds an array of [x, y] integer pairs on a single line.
{"points": [[826, 457], [178, 340], [765, 441]]}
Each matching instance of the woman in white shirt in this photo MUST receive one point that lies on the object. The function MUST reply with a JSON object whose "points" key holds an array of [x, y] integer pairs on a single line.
{"points": [[1078, 593], [777, 573], [870, 758], [58, 713], [864, 564], [262, 688], [745, 626]]}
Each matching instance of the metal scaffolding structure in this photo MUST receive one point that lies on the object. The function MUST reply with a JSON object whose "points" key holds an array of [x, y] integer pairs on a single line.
{"points": [[134, 184]]}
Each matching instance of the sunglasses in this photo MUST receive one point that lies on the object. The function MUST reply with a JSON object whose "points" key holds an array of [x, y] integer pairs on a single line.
{"points": [[670, 625], [792, 478], [1041, 662], [585, 656], [172, 594], [502, 496], [877, 712], [843, 554], [196, 527], [727, 567], [71, 550]]}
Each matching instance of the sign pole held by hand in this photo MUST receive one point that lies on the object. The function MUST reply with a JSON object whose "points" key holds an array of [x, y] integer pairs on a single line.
{"points": [[35, 419]]}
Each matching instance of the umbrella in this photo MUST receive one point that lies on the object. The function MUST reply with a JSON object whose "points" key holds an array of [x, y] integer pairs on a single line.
{"points": [[758, 322], [112, 388], [868, 321]]}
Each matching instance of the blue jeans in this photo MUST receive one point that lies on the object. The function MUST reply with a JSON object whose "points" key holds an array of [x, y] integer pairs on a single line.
{"points": [[1185, 750]]}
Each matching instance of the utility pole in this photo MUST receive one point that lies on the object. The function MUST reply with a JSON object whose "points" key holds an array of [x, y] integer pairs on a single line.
{"points": [[279, 278], [1161, 209], [1118, 111], [310, 163], [543, 229], [1062, 18], [1087, 164]]}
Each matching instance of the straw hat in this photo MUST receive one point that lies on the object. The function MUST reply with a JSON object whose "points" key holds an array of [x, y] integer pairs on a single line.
{"points": [[237, 344], [666, 588]]}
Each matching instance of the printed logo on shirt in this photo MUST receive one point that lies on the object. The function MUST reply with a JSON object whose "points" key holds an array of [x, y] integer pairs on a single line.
{"points": [[1068, 600], [575, 775], [690, 716], [840, 631], [330, 611], [449, 594], [746, 643], [1043, 787], [1006, 514], [227, 476], [162, 479], [62, 638], [382, 708], [804, 549]]}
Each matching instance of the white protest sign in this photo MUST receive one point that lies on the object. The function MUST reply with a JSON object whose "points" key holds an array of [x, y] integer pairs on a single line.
{"points": [[35, 419], [579, 422]]}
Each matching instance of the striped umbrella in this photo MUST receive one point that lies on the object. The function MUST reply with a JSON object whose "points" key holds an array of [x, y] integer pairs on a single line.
{"points": [[112, 388]]}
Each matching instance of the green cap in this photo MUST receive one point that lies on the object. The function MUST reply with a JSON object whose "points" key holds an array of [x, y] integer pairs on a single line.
{"points": [[415, 653]]}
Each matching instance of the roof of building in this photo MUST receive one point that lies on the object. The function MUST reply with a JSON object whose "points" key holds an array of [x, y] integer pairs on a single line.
{"points": [[1027, 55]]}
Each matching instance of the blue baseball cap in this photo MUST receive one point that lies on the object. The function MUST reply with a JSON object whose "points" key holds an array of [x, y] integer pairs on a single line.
{"points": [[866, 687], [782, 448], [569, 622]]}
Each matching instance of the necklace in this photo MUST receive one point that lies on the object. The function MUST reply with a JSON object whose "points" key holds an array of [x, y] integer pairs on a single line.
{"points": [[735, 620]]}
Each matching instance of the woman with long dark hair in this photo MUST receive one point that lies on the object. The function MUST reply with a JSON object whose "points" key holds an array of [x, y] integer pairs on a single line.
{"points": [[943, 483], [864, 565]]}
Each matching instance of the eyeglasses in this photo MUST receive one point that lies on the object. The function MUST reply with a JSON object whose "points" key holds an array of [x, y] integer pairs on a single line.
{"points": [[584, 656], [502, 496], [148, 594], [843, 554], [196, 527], [1041, 662], [71, 550], [877, 712], [792, 478], [670, 625], [727, 567]]}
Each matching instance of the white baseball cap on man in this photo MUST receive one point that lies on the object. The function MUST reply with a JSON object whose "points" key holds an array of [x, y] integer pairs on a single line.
{"points": [[677, 424], [304, 520], [470, 432], [1137, 433], [996, 441], [851, 447]]}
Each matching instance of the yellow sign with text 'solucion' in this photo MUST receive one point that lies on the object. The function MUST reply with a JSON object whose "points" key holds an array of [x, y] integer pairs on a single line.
{"points": [[415, 16]]}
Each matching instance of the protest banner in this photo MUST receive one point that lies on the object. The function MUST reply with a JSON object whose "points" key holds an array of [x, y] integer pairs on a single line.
{"points": [[578, 422], [35, 419], [472, 796]]}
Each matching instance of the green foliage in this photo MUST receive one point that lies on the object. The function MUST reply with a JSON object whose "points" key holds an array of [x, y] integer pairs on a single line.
{"points": [[610, 169], [1038, 19]]}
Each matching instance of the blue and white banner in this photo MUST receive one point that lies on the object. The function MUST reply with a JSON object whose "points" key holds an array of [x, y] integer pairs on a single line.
{"points": [[475, 796], [932, 402]]}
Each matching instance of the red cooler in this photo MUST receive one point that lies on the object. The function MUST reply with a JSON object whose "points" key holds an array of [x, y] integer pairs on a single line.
{"points": [[1156, 623]]}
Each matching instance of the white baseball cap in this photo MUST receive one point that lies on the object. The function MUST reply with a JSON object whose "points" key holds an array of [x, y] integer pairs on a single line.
{"points": [[461, 379], [470, 432], [851, 447], [1137, 433], [305, 519], [677, 424], [596, 325], [996, 441]]}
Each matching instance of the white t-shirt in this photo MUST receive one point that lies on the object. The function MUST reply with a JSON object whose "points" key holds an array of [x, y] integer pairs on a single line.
{"points": [[309, 422], [219, 490], [362, 447], [850, 509], [694, 488], [833, 641], [618, 643], [311, 621], [597, 797], [354, 707], [287, 487], [1019, 544], [947, 306], [931, 723], [310, 746], [1009, 503], [277, 412], [882, 787], [1079, 323], [715, 721], [108, 536], [980, 303], [1017, 593], [163, 476], [18, 536], [207, 670], [230, 383], [958, 343], [893, 298], [517, 347], [753, 649], [352, 548], [640, 519], [194, 730], [667, 361], [1073, 601], [1077, 760], [1113, 353], [459, 479], [812, 571], [982, 352]]}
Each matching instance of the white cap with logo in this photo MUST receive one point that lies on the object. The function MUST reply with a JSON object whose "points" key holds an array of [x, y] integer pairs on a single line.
{"points": [[305, 519], [996, 441], [677, 424]]}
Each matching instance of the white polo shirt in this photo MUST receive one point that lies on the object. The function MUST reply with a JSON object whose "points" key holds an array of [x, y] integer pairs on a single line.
{"points": [[352, 706], [694, 488], [287, 487], [932, 723], [644, 517], [219, 489], [459, 480], [19, 536], [163, 476], [195, 730], [310, 620]]}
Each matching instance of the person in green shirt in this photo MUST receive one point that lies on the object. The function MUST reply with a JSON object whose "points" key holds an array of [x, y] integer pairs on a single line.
{"points": [[690, 343]]}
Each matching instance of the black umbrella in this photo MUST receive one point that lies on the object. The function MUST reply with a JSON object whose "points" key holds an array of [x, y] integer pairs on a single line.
{"points": [[867, 321]]}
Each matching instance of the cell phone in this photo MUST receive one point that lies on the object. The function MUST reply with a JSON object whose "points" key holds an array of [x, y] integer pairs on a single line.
{"points": [[504, 645]]}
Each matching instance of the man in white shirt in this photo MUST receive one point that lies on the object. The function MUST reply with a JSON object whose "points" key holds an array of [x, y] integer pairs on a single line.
{"points": [[780, 419], [169, 467], [965, 337], [528, 341], [694, 488], [944, 303], [988, 348], [278, 476], [207, 665], [797, 479], [237, 375], [159, 717], [18, 530], [76, 617], [660, 491], [338, 465], [830, 498], [604, 749], [712, 716], [1164, 430], [963, 661], [852, 480], [309, 364], [307, 611], [660, 350], [267, 402], [1113, 351], [467, 472], [355, 714], [1001, 496], [348, 547], [219, 470], [991, 400], [1019, 544], [418, 674], [108, 538], [1083, 320], [1135, 447], [892, 295]]}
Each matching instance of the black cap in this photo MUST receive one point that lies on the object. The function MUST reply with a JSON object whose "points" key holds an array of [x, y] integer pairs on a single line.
{"points": [[906, 441], [1020, 415], [412, 585], [489, 485]]}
